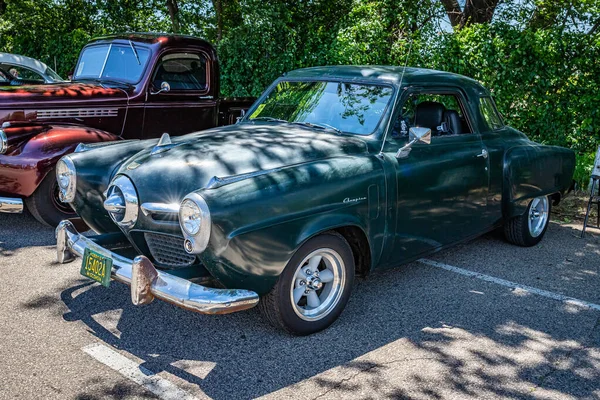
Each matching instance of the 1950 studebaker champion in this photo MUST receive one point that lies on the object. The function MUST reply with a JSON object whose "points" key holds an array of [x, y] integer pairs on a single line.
{"points": [[334, 171]]}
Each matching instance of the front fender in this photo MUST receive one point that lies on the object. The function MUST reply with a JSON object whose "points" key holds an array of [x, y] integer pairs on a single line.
{"points": [[35, 149], [259, 223], [95, 167], [535, 170]]}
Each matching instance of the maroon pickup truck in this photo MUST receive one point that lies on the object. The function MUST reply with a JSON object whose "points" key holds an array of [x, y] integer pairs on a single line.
{"points": [[132, 86]]}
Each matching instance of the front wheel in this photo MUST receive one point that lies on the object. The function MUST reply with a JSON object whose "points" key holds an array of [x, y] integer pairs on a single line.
{"points": [[314, 287], [528, 229], [45, 205]]}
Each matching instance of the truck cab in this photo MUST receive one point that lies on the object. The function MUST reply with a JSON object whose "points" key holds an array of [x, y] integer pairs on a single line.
{"points": [[131, 86]]}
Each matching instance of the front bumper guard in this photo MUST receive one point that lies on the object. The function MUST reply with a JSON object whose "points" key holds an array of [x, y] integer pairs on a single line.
{"points": [[11, 205], [147, 282]]}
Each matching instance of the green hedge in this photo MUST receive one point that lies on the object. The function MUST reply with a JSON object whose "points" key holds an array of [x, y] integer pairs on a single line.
{"points": [[545, 81]]}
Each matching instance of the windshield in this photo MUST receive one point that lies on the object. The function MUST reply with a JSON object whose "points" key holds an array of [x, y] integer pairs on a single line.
{"points": [[50, 72], [348, 107], [112, 62]]}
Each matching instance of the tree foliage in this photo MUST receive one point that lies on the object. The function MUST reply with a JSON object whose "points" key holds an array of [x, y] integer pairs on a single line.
{"points": [[539, 57]]}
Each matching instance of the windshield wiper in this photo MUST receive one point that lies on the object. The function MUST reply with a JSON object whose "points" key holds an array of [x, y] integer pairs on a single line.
{"points": [[320, 125], [271, 119], [135, 53]]}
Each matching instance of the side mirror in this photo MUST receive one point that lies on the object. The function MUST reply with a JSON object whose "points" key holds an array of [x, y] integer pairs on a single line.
{"points": [[421, 135], [164, 88]]}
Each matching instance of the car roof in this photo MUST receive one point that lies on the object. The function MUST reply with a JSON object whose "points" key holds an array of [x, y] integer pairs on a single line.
{"points": [[24, 61], [386, 74], [154, 38]]}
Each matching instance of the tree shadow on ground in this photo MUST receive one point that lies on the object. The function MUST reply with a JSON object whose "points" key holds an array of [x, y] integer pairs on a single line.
{"points": [[413, 332]]}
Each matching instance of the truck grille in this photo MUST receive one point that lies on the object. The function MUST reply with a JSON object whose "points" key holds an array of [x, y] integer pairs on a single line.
{"points": [[77, 113], [168, 250]]}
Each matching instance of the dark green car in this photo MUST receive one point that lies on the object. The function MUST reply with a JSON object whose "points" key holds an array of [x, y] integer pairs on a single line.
{"points": [[333, 172]]}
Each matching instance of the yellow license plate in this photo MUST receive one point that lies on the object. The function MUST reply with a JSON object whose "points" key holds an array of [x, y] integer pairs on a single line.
{"points": [[96, 266]]}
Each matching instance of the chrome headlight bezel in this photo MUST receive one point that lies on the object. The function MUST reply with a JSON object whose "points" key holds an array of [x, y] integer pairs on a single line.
{"points": [[122, 187], [196, 243], [66, 177], [3, 142]]}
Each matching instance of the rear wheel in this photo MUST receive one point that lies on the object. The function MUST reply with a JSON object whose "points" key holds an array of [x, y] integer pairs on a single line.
{"points": [[45, 205], [314, 287], [528, 229]]}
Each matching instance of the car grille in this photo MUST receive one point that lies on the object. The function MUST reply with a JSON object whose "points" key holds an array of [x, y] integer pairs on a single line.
{"points": [[168, 250]]}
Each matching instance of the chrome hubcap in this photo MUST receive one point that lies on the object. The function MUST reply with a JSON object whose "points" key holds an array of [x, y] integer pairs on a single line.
{"points": [[538, 216], [318, 284]]}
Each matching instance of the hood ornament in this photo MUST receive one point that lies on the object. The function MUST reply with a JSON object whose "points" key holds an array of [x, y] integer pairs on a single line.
{"points": [[163, 144]]}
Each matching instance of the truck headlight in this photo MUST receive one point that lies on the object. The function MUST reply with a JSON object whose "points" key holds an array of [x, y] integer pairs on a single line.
{"points": [[66, 178], [3, 142], [195, 222]]}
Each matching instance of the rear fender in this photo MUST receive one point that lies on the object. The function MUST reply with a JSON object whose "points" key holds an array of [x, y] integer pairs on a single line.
{"points": [[535, 170]]}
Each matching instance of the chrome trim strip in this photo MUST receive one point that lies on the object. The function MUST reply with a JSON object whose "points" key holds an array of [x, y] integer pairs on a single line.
{"points": [[167, 287], [3, 141], [160, 208], [105, 60], [77, 113], [216, 182], [11, 205]]}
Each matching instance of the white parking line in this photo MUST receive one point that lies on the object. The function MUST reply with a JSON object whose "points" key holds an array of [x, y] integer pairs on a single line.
{"points": [[513, 285], [136, 373]]}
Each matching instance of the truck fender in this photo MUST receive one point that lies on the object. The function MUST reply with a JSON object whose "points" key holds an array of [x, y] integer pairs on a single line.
{"points": [[34, 149]]}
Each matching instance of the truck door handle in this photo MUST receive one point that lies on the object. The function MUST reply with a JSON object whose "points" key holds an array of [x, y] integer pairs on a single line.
{"points": [[483, 154]]}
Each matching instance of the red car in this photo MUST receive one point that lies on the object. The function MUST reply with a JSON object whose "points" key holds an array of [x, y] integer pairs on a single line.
{"points": [[133, 86]]}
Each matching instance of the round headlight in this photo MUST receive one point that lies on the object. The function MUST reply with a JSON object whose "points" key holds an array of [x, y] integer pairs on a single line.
{"points": [[62, 174], [3, 142], [190, 217], [66, 179], [195, 221]]}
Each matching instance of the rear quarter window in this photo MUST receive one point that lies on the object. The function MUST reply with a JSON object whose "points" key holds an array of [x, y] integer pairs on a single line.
{"points": [[490, 114]]}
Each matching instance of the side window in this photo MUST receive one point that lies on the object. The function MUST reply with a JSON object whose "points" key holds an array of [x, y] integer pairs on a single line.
{"points": [[490, 115], [182, 71], [24, 73], [442, 113], [4, 76]]}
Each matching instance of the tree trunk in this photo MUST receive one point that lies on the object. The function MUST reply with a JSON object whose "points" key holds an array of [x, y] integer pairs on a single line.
{"points": [[454, 12], [174, 14], [218, 5], [474, 12]]}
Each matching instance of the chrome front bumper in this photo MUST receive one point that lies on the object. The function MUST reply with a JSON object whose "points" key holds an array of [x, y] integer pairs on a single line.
{"points": [[11, 205], [147, 282]]}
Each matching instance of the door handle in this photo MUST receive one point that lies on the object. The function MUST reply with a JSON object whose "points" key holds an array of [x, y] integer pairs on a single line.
{"points": [[484, 153]]}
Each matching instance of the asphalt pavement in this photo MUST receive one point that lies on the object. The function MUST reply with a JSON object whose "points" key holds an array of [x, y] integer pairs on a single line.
{"points": [[483, 320]]}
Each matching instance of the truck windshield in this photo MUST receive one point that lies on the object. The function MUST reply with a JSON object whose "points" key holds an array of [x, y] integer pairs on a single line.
{"points": [[339, 106], [112, 62]]}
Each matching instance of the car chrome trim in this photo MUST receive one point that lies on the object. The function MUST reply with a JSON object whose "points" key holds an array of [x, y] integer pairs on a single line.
{"points": [[3, 141], [160, 208], [67, 194], [121, 198], [216, 182], [77, 113], [11, 205], [196, 244], [164, 144], [147, 282]]}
